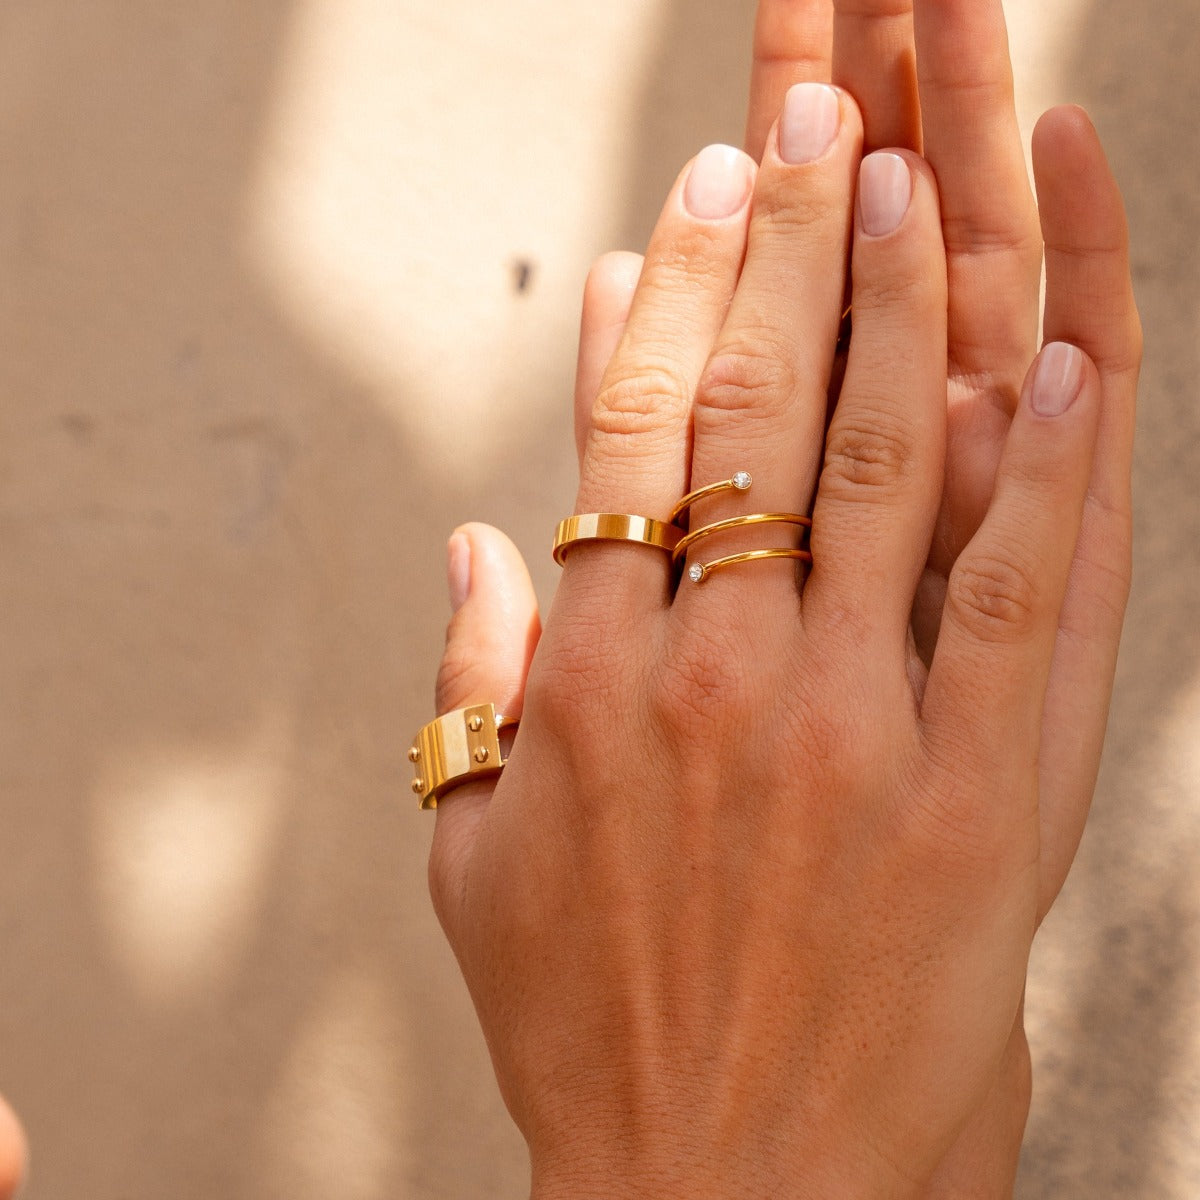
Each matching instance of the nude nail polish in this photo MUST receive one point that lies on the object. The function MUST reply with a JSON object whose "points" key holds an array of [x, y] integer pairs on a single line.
{"points": [[719, 184], [812, 116], [885, 191], [1058, 379]]}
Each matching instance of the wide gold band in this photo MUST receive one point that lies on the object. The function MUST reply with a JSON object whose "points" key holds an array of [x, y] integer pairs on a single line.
{"points": [[613, 527], [459, 748]]}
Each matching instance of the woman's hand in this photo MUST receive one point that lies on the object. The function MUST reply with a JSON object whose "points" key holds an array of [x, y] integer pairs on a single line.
{"points": [[749, 912], [943, 84], [935, 76]]}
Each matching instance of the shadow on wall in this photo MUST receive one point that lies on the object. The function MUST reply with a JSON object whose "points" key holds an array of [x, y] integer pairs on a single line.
{"points": [[221, 975], [1117, 1097], [205, 520]]}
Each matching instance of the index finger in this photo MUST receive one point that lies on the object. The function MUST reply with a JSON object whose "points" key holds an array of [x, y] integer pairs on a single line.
{"points": [[793, 43]]}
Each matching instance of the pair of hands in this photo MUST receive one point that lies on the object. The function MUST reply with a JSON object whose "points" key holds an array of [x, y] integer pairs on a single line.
{"points": [[750, 910]]}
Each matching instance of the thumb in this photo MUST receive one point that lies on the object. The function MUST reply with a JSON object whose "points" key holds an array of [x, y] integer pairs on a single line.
{"points": [[489, 646]]}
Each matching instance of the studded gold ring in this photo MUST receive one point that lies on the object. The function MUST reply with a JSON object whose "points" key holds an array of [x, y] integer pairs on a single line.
{"points": [[613, 527], [706, 531], [461, 747]]}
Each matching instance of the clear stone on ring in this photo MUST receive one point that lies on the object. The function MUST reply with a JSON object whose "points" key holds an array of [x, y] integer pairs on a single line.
{"points": [[696, 574], [742, 481]]}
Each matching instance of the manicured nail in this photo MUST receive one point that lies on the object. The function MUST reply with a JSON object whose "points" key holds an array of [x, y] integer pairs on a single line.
{"points": [[458, 570], [812, 115], [885, 192], [1058, 379], [719, 184]]}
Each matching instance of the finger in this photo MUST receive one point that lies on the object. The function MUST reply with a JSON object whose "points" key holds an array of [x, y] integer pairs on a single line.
{"points": [[761, 402], [489, 646], [1089, 302], [607, 301], [874, 60], [793, 41], [636, 456], [973, 142], [14, 1153], [881, 485], [987, 682]]}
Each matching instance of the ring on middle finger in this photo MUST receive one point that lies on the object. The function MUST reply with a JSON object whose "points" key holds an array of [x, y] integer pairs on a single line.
{"points": [[707, 531]]}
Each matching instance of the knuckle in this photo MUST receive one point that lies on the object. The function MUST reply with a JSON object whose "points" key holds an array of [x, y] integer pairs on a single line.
{"points": [[694, 250], [702, 688], [1010, 234], [459, 678], [785, 215], [869, 452], [639, 402], [750, 377], [896, 289], [944, 833], [996, 598], [575, 684], [955, 829]]}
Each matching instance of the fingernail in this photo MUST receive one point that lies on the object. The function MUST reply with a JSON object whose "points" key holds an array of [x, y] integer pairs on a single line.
{"points": [[885, 192], [1058, 379], [812, 114], [458, 570], [719, 184]]}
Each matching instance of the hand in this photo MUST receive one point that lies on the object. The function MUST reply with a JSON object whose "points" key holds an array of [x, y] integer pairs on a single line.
{"points": [[755, 890], [943, 83], [935, 76]]}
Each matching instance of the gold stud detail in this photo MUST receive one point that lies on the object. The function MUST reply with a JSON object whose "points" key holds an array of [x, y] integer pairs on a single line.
{"points": [[418, 786], [476, 725], [481, 755], [414, 755]]}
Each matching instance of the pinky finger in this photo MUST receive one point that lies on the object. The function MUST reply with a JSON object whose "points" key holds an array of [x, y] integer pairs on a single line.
{"points": [[607, 300], [987, 683]]}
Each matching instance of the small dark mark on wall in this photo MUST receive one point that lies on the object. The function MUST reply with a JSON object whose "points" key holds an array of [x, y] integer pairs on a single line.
{"points": [[522, 276]]}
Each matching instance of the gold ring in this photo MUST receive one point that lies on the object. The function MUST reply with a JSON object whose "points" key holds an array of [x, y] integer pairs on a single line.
{"points": [[845, 330], [613, 527], [461, 747], [701, 571], [741, 482], [686, 543]]}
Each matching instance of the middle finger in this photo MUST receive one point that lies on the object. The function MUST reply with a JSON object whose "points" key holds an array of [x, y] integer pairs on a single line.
{"points": [[875, 61], [761, 403]]}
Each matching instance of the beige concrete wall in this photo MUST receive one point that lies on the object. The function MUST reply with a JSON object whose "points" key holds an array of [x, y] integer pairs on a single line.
{"points": [[261, 350]]}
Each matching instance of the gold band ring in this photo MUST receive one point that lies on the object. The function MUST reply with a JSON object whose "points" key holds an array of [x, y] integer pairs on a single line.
{"points": [[461, 747], [845, 330], [706, 531], [741, 482], [613, 527], [701, 571]]}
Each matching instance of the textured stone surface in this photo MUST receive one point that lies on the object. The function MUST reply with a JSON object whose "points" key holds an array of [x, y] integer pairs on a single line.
{"points": [[287, 290]]}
